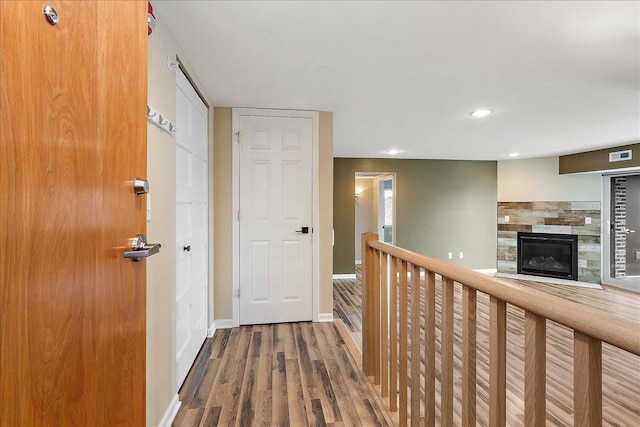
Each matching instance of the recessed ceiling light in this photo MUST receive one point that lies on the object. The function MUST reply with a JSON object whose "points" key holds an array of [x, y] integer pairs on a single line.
{"points": [[392, 152], [513, 154], [481, 113]]}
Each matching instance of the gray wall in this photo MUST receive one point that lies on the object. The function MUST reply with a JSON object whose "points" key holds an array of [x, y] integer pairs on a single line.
{"points": [[441, 206]]}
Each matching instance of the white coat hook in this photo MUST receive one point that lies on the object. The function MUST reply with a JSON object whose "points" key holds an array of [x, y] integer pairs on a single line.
{"points": [[171, 64]]}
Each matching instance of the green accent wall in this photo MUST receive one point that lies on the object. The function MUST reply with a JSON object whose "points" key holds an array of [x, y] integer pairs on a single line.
{"points": [[441, 206]]}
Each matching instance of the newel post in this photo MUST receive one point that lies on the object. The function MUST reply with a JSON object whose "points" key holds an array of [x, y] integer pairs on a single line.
{"points": [[368, 305]]}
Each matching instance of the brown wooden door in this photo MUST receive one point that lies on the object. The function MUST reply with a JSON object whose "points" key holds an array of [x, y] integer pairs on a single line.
{"points": [[72, 137]]}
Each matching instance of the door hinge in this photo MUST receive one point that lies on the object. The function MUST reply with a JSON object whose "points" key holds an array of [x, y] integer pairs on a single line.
{"points": [[238, 134], [238, 214], [238, 293]]}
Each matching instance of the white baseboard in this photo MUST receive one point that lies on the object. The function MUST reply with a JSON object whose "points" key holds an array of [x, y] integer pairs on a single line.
{"points": [[223, 323], [358, 262], [344, 276], [325, 317], [487, 271], [171, 412]]}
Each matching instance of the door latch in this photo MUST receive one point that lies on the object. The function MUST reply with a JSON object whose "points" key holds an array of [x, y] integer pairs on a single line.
{"points": [[140, 249], [303, 230]]}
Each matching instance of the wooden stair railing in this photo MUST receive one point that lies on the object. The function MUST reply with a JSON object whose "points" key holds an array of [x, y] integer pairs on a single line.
{"points": [[590, 327]]}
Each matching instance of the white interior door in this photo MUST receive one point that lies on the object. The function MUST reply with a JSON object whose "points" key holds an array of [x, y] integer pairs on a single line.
{"points": [[191, 225], [276, 254]]}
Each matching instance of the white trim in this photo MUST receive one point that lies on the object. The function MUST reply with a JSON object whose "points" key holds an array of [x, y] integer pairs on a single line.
{"points": [[325, 317], [223, 323], [344, 276], [358, 262], [487, 271], [211, 330], [235, 172], [171, 412]]}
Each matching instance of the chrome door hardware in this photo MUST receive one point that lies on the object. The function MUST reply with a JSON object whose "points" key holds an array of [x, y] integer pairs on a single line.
{"points": [[141, 249], [51, 14], [140, 186]]}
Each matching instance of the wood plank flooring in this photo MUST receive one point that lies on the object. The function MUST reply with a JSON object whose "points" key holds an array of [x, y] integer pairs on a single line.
{"points": [[289, 374], [621, 370]]}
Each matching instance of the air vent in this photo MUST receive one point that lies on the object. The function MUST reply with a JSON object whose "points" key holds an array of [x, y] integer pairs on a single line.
{"points": [[619, 156]]}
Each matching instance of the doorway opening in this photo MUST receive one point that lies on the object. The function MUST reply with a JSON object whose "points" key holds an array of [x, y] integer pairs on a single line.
{"points": [[375, 208], [621, 246]]}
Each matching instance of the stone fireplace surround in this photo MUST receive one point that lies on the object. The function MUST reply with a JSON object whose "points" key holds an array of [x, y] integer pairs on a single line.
{"points": [[555, 218]]}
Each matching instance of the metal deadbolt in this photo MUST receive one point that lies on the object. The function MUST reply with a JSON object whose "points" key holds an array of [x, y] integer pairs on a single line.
{"points": [[140, 186], [51, 14]]}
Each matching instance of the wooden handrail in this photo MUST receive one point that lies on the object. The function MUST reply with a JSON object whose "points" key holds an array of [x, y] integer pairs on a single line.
{"points": [[382, 338], [589, 321]]}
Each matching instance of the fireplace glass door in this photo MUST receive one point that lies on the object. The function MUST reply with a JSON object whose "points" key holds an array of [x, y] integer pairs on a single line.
{"points": [[548, 255]]}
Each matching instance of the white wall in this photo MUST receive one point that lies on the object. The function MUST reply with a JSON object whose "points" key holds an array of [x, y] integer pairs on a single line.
{"points": [[538, 180], [365, 212]]}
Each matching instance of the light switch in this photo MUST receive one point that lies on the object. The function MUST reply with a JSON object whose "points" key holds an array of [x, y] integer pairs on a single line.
{"points": [[461, 255], [587, 220], [506, 218]]}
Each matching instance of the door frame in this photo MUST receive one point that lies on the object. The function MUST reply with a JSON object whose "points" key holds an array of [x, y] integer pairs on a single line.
{"points": [[607, 279], [235, 205]]}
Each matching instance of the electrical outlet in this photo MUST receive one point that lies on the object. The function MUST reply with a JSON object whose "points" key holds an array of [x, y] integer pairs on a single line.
{"points": [[582, 263], [506, 218], [587, 220], [461, 255], [450, 255]]}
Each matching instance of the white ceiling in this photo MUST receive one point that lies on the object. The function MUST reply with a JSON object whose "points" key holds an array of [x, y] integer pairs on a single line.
{"points": [[560, 76]]}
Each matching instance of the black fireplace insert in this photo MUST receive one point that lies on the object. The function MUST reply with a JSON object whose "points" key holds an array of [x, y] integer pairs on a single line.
{"points": [[548, 255]]}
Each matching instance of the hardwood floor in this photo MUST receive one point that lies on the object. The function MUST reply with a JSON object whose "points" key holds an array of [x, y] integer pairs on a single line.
{"points": [[289, 374], [621, 370]]}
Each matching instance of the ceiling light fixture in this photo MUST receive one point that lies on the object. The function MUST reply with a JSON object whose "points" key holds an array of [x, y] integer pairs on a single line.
{"points": [[481, 113], [392, 152], [513, 154]]}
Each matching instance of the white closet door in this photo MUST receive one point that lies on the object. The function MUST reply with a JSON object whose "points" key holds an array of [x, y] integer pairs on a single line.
{"points": [[191, 225], [276, 242]]}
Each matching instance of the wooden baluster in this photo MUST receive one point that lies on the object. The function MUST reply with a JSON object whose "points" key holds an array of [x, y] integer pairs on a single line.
{"points": [[446, 361], [497, 362], [587, 380], [384, 307], [376, 316], [393, 336], [535, 359], [403, 355], [430, 349], [367, 305], [468, 356], [415, 346]]}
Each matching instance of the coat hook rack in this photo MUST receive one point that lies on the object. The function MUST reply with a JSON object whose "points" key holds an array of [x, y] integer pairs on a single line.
{"points": [[154, 117]]}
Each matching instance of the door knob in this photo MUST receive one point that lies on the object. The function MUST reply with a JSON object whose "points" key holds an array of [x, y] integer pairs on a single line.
{"points": [[187, 248], [140, 249], [140, 186]]}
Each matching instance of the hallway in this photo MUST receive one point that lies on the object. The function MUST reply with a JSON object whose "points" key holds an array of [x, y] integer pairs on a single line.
{"points": [[287, 374]]}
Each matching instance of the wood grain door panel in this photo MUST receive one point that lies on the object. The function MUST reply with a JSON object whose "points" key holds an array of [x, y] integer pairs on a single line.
{"points": [[72, 137]]}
